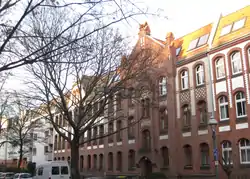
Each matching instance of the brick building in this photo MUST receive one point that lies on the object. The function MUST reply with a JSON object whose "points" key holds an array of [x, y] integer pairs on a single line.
{"points": [[202, 71]]}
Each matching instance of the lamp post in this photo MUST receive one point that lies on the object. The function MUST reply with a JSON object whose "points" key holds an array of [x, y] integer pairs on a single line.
{"points": [[213, 123]]}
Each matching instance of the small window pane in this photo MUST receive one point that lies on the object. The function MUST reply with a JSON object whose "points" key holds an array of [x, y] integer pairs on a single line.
{"points": [[193, 44], [239, 24], [64, 170], [178, 50], [226, 30], [55, 171], [203, 40]]}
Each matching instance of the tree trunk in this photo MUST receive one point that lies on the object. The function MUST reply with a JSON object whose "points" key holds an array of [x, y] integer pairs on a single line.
{"points": [[75, 159], [20, 156]]}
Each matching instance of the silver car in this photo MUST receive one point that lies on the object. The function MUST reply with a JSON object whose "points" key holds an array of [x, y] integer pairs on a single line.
{"points": [[7, 175], [22, 176]]}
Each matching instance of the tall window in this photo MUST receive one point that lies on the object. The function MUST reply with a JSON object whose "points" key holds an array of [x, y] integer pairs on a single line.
{"points": [[110, 130], [223, 104], [146, 139], [146, 107], [227, 152], [199, 75], [188, 155], [204, 154], [202, 111], [131, 95], [100, 161], [101, 133], [95, 161], [119, 132], [184, 80], [220, 71], [55, 143], [186, 116], [131, 159], [89, 137], [240, 101], [163, 86], [89, 161], [95, 135], [131, 128], [163, 120], [244, 151], [110, 161], [236, 62], [165, 156], [119, 161]]}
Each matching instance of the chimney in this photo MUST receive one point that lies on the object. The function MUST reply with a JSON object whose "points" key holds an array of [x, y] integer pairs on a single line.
{"points": [[144, 29], [169, 38]]}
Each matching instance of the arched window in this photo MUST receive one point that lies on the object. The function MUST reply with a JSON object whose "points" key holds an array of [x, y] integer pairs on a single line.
{"points": [[188, 155], [119, 161], [223, 105], [131, 159], [244, 147], [240, 102], [184, 79], [95, 161], [236, 62], [101, 162], [226, 149], [186, 116], [200, 79], [220, 70], [146, 139], [162, 86], [59, 158], [55, 159], [81, 162], [204, 149], [110, 161], [165, 156], [163, 120], [202, 112], [89, 162], [63, 159]]}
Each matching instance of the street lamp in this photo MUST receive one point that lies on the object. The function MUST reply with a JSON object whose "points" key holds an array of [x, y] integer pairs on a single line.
{"points": [[213, 123]]}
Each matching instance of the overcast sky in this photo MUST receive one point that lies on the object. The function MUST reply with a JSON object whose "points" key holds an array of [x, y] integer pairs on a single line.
{"points": [[184, 16]]}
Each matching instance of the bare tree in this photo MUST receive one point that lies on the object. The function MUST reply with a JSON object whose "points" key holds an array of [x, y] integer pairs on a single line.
{"points": [[19, 132], [102, 79], [15, 28], [226, 165]]}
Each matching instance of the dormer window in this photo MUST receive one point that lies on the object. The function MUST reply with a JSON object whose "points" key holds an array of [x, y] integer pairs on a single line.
{"points": [[178, 50], [226, 30], [198, 42], [239, 24]]}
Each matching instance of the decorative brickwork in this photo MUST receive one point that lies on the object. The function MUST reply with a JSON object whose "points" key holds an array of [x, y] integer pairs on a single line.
{"points": [[185, 97]]}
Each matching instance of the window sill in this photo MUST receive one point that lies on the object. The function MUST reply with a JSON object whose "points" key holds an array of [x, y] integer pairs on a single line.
{"points": [[204, 167], [186, 129], [245, 165], [184, 90], [220, 79], [224, 121], [200, 86], [241, 119], [236, 74], [188, 167]]}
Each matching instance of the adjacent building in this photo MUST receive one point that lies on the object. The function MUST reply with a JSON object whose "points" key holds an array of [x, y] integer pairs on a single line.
{"points": [[202, 72]]}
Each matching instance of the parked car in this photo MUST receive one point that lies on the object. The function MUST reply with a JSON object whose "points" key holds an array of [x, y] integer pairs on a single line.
{"points": [[53, 170], [7, 175], [22, 176]]}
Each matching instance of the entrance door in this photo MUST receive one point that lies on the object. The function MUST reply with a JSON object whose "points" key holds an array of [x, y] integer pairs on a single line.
{"points": [[146, 166]]}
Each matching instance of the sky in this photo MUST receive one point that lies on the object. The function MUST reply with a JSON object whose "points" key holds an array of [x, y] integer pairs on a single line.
{"points": [[184, 16]]}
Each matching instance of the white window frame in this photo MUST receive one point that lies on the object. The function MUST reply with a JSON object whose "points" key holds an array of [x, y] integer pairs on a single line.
{"points": [[246, 148], [243, 102], [226, 30], [225, 103], [228, 150], [219, 63], [236, 58], [239, 24], [204, 38], [163, 86], [184, 79], [199, 75], [178, 50]]}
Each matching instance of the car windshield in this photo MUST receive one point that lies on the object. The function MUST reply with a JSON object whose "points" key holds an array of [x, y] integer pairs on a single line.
{"points": [[26, 175]]}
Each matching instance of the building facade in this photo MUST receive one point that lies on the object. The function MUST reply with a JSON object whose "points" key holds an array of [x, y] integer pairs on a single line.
{"points": [[201, 73]]}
